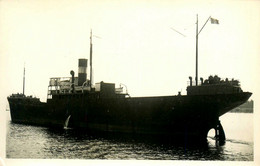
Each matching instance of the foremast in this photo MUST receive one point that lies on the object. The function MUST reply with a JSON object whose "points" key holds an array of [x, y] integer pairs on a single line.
{"points": [[90, 59], [196, 77], [23, 79]]}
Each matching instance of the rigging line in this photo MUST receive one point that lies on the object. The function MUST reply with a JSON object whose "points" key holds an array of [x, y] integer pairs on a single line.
{"points": [[178, 32], [97, 37], [204, 25]]}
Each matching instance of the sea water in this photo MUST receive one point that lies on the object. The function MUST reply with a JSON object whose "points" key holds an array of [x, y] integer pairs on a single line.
{"points": [[32, 142]]}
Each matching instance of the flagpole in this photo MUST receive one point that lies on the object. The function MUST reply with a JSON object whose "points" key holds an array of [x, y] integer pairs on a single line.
{"points": [[196, 78]]}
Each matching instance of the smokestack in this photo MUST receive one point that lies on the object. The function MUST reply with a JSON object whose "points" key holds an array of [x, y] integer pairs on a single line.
{"points": [[82, 71]]}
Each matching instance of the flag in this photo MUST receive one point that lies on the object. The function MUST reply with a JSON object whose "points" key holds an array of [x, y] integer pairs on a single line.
{"points": [[214, 21]]}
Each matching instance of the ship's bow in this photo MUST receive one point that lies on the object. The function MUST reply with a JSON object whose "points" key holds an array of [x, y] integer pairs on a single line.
{"points": [[233, 101]]}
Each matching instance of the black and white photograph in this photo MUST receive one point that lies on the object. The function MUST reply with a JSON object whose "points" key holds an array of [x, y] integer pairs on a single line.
{"points": [[126, 82]]}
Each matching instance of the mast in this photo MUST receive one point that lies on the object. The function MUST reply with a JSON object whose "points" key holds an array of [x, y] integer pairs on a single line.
{"points": [[196, 77], [197, 36], [23, 79], [90, 59]]}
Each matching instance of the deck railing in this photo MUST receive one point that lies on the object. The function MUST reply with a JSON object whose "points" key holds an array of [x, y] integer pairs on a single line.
{"points": [[215, 81]]}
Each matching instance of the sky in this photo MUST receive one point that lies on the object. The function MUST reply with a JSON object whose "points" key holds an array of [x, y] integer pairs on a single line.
{"points": [[135, 43]]}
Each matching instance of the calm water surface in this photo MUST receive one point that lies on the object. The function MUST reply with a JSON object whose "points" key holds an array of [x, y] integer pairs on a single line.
{"points": [[24, 141]]}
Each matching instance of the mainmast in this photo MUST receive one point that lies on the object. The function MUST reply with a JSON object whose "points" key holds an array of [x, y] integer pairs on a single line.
{"points": [[90, 59], [23, 79], [213, 21]]}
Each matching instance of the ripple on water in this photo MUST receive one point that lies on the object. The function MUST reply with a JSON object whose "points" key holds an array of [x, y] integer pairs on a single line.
{"points": [[23, 141]]}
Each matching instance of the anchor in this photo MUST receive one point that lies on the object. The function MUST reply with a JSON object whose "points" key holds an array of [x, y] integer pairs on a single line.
{"points": [[220, 134]]}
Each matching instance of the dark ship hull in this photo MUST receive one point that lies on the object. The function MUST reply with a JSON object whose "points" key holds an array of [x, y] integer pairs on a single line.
{"points": [[181, 116]]}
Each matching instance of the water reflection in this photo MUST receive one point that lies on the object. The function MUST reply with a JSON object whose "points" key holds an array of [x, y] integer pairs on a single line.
{"points": [[98, 145], [24, 141]]}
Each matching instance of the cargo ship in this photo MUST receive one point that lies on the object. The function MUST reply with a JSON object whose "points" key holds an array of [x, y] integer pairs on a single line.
{"points": [[105, 108], [74, 102]]}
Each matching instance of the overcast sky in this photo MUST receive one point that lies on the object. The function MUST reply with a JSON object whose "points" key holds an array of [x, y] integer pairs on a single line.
{"points": [[137, 46]]}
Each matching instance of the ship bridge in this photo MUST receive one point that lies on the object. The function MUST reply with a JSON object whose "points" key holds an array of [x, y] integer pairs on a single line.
{"points": [[214, 85], [80, 84], [65, 85]]}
